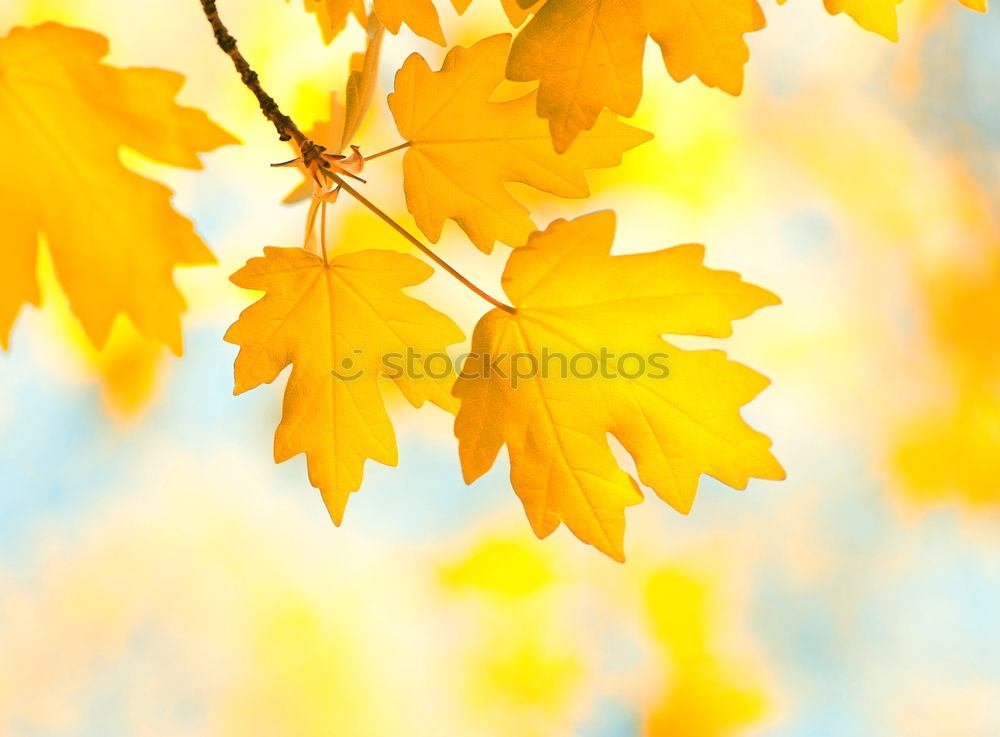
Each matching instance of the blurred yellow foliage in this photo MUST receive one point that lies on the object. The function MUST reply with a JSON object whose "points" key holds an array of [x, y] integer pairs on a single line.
{"points": [[503, 567], [706, 695], [933, 223]]}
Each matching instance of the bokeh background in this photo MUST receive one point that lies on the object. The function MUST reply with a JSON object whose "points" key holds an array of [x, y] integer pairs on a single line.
{"points": [[159, 575]]}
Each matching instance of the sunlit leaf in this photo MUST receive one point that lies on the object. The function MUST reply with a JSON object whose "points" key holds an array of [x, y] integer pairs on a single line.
{"points": [[335, 323], [465, 148], [588, 54], [678, 416]]}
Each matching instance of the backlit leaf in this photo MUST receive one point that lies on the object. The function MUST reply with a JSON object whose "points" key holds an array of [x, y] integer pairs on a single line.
{"points": [[331, 15], [704, 38], [420, 15], [465, 148], [587, 54], [333, 322], [576, 301], [516, 11], [878, 16]]}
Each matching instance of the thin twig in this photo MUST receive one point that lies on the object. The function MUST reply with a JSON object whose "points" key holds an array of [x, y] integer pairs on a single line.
{"points": [[424, 249], [287, 130]]}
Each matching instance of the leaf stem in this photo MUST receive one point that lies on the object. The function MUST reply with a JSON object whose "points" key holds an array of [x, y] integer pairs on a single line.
{"points": [[322, 231], [424, 249], [394, 149]]}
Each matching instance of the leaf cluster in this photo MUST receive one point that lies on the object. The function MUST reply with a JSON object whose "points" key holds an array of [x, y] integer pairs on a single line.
{"points": [[115, 240]]}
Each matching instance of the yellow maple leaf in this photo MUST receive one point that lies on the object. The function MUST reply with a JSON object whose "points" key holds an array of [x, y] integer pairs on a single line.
{"points": [[361, 83], [587, 54], [331, 15], [113, 235], [980, 6], [879, 16], [675, 411], [464, 148], [336, 323], [704, 38], [517, 12], [420, 15]]}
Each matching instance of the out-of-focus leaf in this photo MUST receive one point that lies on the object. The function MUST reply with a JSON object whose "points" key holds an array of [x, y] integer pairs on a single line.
{"points": [[114, 238], [707, 693]]}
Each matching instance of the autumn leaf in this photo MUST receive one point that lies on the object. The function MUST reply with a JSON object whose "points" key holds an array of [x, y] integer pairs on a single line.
{"points": [[464, 148], [361, 84], [420, 15], [980, 6], [516, 10], [335, 324], [678, 418], [878, 16], [587, 54], [704, 38], [331, 15], [113, 235]]}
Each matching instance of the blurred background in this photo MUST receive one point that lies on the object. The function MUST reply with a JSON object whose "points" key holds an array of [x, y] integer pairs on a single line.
{"points": [[160, 575]]}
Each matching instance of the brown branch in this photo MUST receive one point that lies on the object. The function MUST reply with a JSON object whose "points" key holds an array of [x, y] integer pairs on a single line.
{"points": [[287, 130]]}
